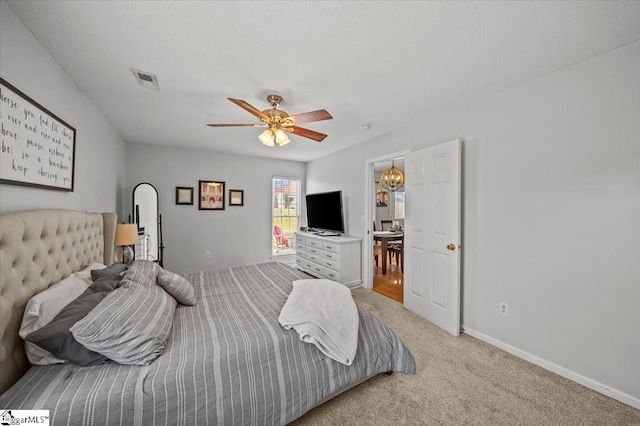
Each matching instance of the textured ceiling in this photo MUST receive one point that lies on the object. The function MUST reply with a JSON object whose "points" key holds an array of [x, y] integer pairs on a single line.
{"points": [[385, 63]]}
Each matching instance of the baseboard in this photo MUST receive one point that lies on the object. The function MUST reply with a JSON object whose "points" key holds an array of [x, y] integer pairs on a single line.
{"points": [[562, 371]]}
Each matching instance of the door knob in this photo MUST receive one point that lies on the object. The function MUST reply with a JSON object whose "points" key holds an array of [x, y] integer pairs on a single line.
{"points": [[451, 247]]}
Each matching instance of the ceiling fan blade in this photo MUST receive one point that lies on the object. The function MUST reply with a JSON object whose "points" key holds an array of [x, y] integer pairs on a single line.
{"points": [[308, 117], [244, 105], [237, 125], [306, 133]]}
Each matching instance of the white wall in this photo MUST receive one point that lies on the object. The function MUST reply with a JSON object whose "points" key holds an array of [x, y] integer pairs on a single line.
{"points": [[99, 163], [551, 204], [236, 235]]}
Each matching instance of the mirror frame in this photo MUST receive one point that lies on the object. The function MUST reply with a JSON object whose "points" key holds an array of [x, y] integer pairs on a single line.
{"points": [[158, 249]]}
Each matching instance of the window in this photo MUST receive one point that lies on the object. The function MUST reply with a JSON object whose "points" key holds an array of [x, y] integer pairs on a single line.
{"points": [[399, 205], [286, 214]]}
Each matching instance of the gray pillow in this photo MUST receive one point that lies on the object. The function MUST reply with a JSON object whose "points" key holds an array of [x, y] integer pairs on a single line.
{"points": [[131, 325], [105, 284], [177, 286], [56, 338], [112, 272]]}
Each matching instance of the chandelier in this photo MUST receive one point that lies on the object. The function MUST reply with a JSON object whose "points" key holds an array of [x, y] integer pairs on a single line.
{"points": [[392, 178]]}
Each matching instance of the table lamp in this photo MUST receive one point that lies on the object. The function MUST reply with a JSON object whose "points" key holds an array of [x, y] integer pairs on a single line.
{"points": [[126, 235]]}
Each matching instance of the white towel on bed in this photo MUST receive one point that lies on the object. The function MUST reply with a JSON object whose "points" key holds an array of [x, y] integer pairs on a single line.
{"points": [[323, 313]]}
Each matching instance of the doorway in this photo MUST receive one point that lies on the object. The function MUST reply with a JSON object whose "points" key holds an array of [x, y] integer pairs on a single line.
{"points": [[388, 224], [383, 268], [432, 236]]}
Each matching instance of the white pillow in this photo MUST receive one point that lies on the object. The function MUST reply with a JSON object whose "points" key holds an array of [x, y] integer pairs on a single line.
{"points": [[42, 309]]}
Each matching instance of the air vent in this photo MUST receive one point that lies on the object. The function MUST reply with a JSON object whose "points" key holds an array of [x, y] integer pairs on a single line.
{"points": [[146, 79]]}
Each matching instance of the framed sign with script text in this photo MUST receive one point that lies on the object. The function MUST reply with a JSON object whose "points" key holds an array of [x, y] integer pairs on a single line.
{"points": [[36, 147]]}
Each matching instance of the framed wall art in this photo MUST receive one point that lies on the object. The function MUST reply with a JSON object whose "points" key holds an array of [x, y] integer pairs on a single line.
{"points": [[382, 198], [184, 195], [236, 197], [38, 148], [211, 195]]}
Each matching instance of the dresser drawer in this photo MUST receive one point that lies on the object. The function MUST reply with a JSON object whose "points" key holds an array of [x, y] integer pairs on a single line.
{"points": [[332, 247], [327, 273], [316, 269], [333, 275], [313, 250], [314, 243], [304, 263], [301, 240], [313, 258], [331, 264], [329, 255]]}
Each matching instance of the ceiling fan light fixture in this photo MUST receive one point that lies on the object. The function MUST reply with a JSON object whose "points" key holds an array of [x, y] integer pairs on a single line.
{"points": [[281, 137], [267, 137]]}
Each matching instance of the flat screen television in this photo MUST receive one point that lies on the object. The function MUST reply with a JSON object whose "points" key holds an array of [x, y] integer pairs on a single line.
{"points": [[324, 212]]}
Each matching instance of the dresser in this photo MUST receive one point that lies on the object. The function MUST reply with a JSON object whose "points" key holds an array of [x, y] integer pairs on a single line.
{"points": [[335, 258]]}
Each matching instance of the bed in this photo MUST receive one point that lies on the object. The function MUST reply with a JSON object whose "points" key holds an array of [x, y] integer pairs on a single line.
{"points": [[227, 359]]}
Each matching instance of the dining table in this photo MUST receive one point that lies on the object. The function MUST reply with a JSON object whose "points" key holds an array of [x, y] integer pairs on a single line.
{"points": [[385, 237]]}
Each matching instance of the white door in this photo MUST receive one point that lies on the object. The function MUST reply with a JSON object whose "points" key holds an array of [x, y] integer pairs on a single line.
{"points": [[432, 234]]}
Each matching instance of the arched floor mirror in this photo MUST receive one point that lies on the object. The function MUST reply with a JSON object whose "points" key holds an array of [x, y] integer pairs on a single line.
{"points": [[146, 215]]}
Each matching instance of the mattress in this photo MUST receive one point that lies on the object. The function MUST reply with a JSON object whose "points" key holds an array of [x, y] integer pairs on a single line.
{"points": [[227, 361]]}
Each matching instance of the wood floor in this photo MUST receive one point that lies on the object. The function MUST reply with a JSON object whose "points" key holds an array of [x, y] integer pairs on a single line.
{"points": [[390, 284]]}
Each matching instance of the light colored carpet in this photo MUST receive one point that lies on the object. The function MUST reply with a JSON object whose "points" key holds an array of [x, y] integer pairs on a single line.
{"points": [[463, 381]]}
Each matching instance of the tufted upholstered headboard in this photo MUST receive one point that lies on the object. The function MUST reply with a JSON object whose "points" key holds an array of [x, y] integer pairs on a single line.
{"points": [[37, 249]]}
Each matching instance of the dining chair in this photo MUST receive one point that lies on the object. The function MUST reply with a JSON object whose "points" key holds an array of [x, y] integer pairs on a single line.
{"points": [[377, 253], [376, 242], [397, 250], [386, 224]]}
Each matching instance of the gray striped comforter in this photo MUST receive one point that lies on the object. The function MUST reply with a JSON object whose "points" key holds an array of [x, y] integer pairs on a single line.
{"points": [[227, 362]]}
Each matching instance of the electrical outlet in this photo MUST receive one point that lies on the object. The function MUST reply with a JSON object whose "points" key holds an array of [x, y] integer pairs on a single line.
{"points": [[504, 309], [207, 254]]}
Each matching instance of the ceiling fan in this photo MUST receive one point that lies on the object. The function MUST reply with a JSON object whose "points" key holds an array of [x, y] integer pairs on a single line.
{"points": [[278, 121]]}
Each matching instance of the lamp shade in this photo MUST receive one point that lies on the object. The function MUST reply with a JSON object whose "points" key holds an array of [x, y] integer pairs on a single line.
{"points": [[267, 137], [126, 234], [281, 137]]}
